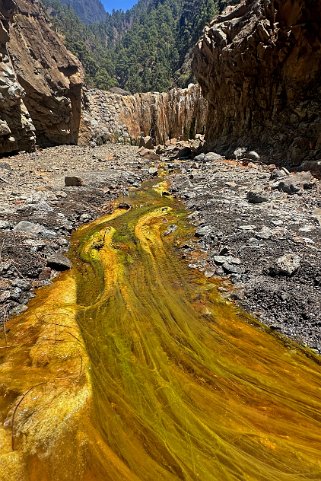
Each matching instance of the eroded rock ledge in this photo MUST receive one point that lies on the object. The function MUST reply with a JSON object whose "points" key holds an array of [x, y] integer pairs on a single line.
{"points": [[259, 65], [40, 81], [179, 113]]}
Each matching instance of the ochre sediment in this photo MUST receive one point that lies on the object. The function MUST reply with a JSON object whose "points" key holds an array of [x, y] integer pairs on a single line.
{"points": [[174, 383]]}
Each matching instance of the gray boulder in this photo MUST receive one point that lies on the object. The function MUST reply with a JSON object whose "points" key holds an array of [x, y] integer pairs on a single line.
{"points": [[212, 157], [286, 265], [33, 229], [58, 262]]}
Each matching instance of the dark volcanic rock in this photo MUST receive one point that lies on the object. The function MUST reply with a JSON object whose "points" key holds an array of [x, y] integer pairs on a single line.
{"points": [[58, 262], [259, 66], [256, 197], [73, 182]]}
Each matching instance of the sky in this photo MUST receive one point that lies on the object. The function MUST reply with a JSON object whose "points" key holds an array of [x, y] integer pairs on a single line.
{"points": [[118, 4]]}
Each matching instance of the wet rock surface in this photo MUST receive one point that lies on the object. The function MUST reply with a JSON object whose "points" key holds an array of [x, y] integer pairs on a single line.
{"points": [[268, 246], [39, 210]]}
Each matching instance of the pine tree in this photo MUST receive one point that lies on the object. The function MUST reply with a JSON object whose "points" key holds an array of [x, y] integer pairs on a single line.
{"points": [[144, 49]]}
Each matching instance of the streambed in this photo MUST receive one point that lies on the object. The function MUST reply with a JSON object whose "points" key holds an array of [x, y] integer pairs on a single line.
{"points": [[132, 367]]}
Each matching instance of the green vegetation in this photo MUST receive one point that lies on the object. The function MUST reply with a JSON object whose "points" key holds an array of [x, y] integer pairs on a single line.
{"points": [[144, 49], [88, 11]]}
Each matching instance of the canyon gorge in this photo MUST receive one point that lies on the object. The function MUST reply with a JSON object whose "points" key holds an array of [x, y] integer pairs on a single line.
{"points": [[160, 268]]}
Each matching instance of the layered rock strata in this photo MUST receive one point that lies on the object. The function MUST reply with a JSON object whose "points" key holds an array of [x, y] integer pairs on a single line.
{"points": [[40, 80], [259, 66], [179, 113]]}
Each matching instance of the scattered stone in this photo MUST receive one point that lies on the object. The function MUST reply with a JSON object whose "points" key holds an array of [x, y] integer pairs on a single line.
{"points": [[247, 227], [58, 262], [148, 154], [212, 157], [73, 182], [256, 197], [239, 152], [5, 166], [278, 174], [4, 296], [15, 294], [227, 260], [33, 229], [184, 152], [83, 219], [4, 224], [171, 229], [124, 205], [203, 231], [199, 158], [277, 222], [208, 274], [314, 166], [288, 186], [153, 171], [286, 265], [253, 156], [265, 233], [232, 268], [231, 184], [146, 142]]}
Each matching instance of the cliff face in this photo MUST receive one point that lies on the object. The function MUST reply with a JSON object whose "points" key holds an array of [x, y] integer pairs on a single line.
{"points": [[259, 65], [16, 127], [40, 81], [180, 114]]}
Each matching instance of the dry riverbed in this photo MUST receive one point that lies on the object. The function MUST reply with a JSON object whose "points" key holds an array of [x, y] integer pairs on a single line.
{"points": [[261, 236]]}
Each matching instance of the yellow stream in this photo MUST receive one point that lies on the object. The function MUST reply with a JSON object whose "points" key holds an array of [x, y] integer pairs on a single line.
{"points": [[132, 367]]}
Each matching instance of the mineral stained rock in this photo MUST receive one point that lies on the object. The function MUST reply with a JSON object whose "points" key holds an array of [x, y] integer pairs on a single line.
{"points": [[259, 66], [40, 81]]}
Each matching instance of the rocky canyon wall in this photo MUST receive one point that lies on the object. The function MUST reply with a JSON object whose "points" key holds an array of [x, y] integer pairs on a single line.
{"points": [[40, 81], [16, 127], [179, 113], [259, 65]]}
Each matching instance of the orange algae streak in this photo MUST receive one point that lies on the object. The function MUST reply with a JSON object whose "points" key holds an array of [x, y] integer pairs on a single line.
{"points": [[132, 367]]}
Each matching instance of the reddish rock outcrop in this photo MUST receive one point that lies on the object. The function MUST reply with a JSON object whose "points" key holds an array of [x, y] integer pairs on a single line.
{"points": [[259, 66], [40, 80], [179, 113]]}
